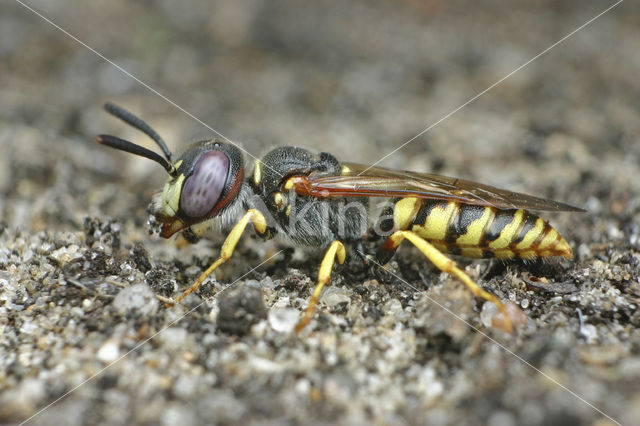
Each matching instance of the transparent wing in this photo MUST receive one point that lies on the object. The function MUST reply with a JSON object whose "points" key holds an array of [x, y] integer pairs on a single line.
{"points": [[383, 182]]}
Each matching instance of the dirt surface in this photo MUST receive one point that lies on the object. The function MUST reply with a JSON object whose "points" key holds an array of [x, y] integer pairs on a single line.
{"points": [[84, 331]]}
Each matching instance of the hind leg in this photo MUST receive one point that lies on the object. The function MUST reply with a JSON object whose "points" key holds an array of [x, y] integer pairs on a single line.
{"points": [[447, 265]]}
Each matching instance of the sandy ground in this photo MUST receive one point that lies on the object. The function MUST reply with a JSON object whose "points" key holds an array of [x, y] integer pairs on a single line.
{"points": [[82, 327]]}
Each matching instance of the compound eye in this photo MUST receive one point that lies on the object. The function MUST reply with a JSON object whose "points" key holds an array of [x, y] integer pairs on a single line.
{"points": [[202, 189]]}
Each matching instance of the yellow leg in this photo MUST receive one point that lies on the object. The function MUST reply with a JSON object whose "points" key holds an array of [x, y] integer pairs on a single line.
{"points": [[336, 249], [447, 265], [229, 245]]}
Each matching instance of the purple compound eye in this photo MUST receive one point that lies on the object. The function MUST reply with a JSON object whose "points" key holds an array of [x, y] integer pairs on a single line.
{"points": [[202, 189]]}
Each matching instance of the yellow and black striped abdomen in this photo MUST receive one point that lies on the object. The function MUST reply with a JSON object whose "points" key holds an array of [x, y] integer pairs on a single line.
{"points": [[479, 231]]}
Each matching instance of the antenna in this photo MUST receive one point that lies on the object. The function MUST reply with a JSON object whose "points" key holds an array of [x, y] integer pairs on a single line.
{"points": [[136, 122], [130, 147]]}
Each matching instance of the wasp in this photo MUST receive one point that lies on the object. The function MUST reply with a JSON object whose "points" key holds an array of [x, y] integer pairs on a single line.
{"points": [[315, 200]]}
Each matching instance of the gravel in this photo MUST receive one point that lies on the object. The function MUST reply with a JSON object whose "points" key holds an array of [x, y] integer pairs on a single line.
{"points": [[85, 335]]}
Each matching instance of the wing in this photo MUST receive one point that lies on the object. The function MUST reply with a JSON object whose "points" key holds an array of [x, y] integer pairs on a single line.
{"points": [[358, 180]]}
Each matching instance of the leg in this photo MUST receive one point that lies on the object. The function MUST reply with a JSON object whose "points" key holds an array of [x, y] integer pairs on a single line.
{"points": [[447, 265], [229, 245], [336, 249]]}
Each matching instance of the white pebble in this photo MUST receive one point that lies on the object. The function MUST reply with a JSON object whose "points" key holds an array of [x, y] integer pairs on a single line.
{"points": [[108, 352], [283, 320], [138, 298]]}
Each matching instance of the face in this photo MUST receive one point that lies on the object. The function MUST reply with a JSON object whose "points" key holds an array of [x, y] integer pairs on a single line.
{"points": [[208, 177]]}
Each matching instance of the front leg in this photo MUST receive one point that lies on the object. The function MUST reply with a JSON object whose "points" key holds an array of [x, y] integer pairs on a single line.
{"points": [[229, 245]]}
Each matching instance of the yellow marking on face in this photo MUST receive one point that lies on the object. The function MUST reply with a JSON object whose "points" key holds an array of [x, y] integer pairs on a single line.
{"points": [[288, 211], [345, 170], [171, 195], [257, 172], [474, 231], [279, 200], [178, 164], [549, 239], [436, 224], [473, 252], [405, 212], [531, 236], [507, 233]]}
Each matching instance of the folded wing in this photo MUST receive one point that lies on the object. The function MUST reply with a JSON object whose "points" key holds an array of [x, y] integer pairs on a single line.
{"points": [[359, 180]]}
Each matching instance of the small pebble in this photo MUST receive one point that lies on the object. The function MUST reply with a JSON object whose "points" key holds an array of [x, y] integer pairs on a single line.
{"points": [[283, 320], [240, 308], [108, 352], [136, 299]]}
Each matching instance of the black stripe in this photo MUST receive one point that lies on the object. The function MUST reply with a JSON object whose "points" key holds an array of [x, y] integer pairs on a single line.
{"points": [[501, 219], [487, 254], [535, 246], [426, 209], [460, 223], [529, 224], [454, 250]]}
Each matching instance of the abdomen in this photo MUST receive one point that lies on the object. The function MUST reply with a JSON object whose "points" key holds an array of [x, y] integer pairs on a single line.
{"points": [[479, 231]]}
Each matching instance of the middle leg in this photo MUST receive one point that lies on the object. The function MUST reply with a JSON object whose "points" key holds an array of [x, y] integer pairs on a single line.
{"points": [[336, 250]]}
